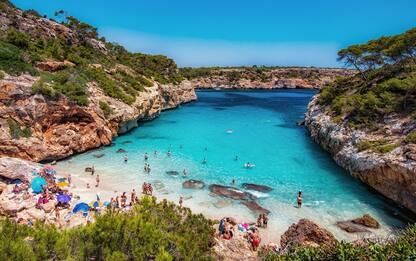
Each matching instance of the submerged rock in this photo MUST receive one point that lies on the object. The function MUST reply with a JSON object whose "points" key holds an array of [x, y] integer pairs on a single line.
{"points": [[305, 233], [126, 142], [350, 227], [261, 188], [121, 151], [99, 155], [367, 221], [230, 192], [193, 184], [172, 172], [222, 203], [255, 207]]}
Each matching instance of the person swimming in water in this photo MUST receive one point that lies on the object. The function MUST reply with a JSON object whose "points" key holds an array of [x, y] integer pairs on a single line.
{"points": [[236, 157], [204, 161], [168, 153], [299, 199], [146, 157], [185, 173], [126, 158]]}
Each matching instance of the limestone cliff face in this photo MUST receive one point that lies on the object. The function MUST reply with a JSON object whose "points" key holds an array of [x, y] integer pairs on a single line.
{"points": [[60, 128], [289, 78], [392, 174]]}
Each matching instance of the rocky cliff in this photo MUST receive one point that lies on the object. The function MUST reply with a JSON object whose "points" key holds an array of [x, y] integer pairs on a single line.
{"points": [[268, 78], [59, 128], [393, 173]]}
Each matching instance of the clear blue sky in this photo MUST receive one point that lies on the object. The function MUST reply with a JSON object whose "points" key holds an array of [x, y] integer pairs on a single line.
{"points": [[239, 32]]}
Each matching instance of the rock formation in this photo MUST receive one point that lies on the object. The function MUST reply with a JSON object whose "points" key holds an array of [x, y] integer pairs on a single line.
{"points": [[276, 78], [193, 184], [305, 233], [60, 128], [230, 192], [392, 174], [261, 188]]}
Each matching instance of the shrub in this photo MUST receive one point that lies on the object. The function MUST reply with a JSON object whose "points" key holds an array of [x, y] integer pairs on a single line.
{"points": [[2, 75], [379, 146], [105, 108], [16, 132], [160, 231], [11, 61], [411, 137]]}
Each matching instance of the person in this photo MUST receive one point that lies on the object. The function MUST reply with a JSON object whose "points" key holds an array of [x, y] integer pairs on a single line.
{"points": [[180, 201], [185, 173], [233, 182], [226, 235], [146, 157], [236, 157], [133, 196], [126, 158], [168, 153], [221, 227], [69, 179], [88, 185], [145, 167], [97, 179], [204, 161], [92, 170], [265, 220], [148, 168], [260, 220], [123, 200], [299, 199], [16, 189], [255, 242], [57, 214]]}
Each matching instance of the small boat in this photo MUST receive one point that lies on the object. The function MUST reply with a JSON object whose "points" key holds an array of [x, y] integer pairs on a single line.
{"points": [[230, 131], [249, 166]]}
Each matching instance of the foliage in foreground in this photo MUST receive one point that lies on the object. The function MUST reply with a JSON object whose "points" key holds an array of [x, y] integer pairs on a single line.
{"points": [[152, 230], [403, 248]]}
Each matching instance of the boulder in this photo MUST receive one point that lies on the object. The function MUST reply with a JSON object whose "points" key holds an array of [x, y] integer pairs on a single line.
{"points": [[367, 221], [230, 192], [48, 207], [14, 168], [255, 207], [305, 233], [261, 188], [10, 207], [193, 184], [350, 227], [172, 172]]}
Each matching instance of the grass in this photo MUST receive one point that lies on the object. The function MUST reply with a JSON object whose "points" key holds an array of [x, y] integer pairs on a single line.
{"points": [[16, 131], [381, 146], [105, 108]]}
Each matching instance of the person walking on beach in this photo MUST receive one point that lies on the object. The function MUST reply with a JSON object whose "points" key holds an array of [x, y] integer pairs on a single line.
{"points": [[92, 170], [97, 179], [260, 220], [57, 214], [133, 196], [180, 201], [265, 220], [299, 199], [69, 179]]}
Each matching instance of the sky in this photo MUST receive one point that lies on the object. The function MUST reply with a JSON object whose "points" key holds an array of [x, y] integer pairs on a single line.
{"points": [[239, 32]]}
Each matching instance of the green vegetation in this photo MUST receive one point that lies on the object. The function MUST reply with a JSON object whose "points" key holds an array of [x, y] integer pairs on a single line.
{"points": [[21, 51], [105, 108], [2, 75], [386, 82], [411, 137], [403, 248], [379, 146], [151, 231], [16, 131]]}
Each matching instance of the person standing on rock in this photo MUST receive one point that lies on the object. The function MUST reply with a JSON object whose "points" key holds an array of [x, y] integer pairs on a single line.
{"points": [[299, 199], [97, 179]]}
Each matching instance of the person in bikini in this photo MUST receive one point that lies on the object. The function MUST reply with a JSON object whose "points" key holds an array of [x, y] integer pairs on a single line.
{"points": [[299, 199]]}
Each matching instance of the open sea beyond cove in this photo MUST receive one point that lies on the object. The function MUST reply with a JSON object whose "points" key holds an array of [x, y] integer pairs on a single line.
{"points": [[257, 126]]}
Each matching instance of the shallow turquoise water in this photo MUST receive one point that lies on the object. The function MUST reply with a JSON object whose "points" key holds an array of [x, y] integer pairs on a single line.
{"points": [[265, 134]]}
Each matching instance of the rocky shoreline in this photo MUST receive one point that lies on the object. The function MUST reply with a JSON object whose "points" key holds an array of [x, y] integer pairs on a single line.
{"points": [[59, 129], [278, 78], [392, 174]]}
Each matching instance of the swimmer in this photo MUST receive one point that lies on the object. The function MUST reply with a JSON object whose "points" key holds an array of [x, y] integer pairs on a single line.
{"points": [[236, 158], [146, 157], [126, 158], [204, 161], [168, 153], [185, 173], [233, 182], [299, 199]]}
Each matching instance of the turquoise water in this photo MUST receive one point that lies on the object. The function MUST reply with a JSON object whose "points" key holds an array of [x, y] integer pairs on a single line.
{"points": [[264, 133]]}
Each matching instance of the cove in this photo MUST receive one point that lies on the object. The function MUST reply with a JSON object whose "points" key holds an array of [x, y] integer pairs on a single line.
{"points": [[257, 126]]}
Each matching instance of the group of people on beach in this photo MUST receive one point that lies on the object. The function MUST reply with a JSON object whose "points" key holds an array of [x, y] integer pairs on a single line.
{"points": [[262, 220], [147, 189], [251, 233]]}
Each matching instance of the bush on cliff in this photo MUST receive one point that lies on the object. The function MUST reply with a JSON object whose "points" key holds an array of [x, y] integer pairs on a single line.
{"points": [[402, 248], [152, 230], [105, 108], [385, 84]]}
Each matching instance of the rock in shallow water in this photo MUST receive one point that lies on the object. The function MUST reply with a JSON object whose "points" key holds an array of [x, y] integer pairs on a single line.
{"points": [[261, 188], [367, 221], [193, 184], [172, 172], [350, 227], [230, 192], [99, 155], [255, 207], [121, 151]]}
